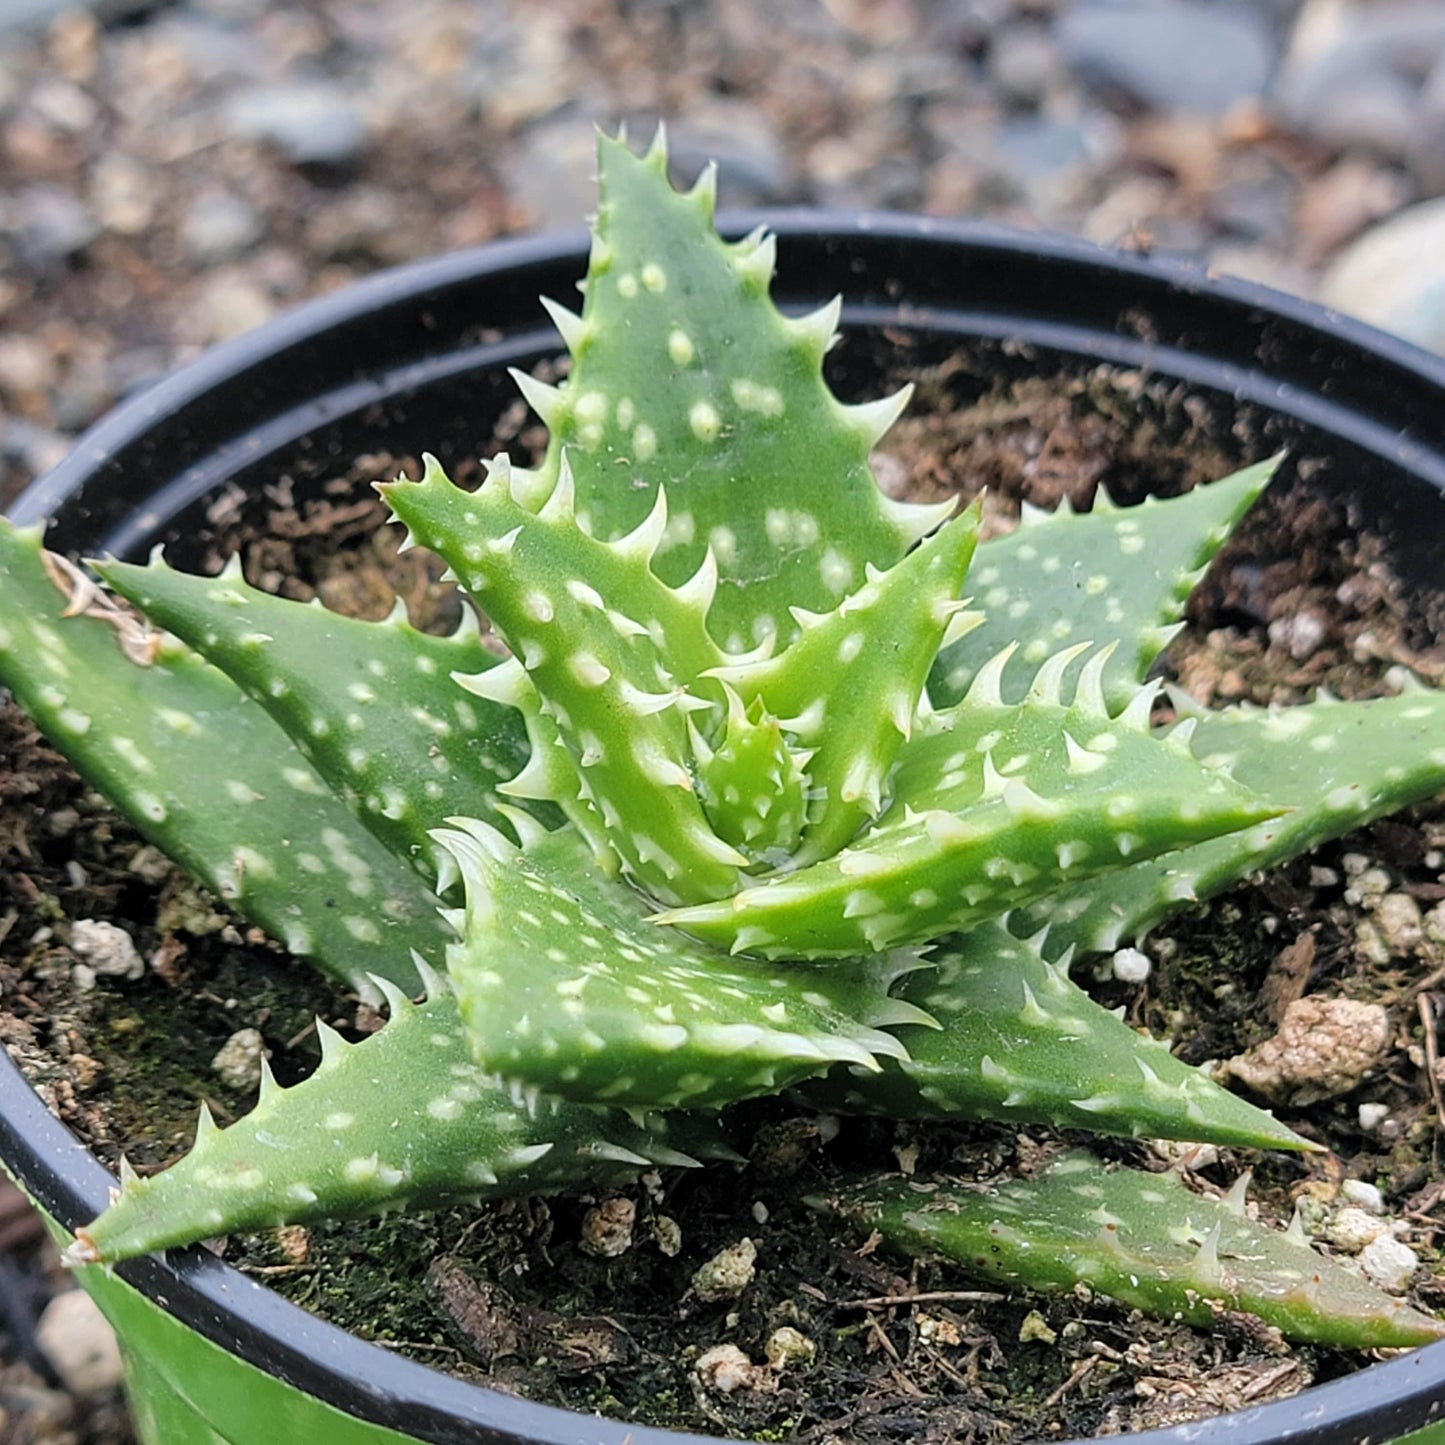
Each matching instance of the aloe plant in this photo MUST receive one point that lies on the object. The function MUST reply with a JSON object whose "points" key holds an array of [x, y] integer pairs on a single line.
{"points": [[782, 783]]}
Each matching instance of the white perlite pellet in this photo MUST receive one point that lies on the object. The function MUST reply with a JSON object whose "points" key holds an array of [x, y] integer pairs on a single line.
{"points": [[105, 949]]}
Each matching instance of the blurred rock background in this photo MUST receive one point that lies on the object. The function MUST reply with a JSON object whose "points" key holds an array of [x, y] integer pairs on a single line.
{"points": [[172, 174]]}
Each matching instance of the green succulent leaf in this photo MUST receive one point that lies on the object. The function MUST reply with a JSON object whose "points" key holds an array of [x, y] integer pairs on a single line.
{"points": [[205, 774], [372, 705], [1112, 575], [567, 986], [1145, 1240], [684, 374], [1328, 767], [1019, 1041], [402, 1119], [994, 807]]}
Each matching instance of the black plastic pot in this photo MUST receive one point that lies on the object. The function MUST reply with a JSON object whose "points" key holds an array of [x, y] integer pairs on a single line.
{"points": [[388, 363]]}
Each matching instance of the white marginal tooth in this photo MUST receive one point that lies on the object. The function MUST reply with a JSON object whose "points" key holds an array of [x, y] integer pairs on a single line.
{"points": [[993, 780], [685, 702], [1089, 690], [645, 704], [757, 263], [528, 830], [699, 589], [1023, 803], [433, 983], [1029, 514], [704, 190], [616, 1152], [1049, 680], [396, 1001], [701, 749], [549, 402], [808, 723], [562, 504], [491, 841], [232, 573], [447, 874], [1136, 715], [537, 780], [986, 690], [574, 330], [1234, 1200], [269, 1086], [499, 472], [332, 1045], [915, 520], [873, 418], [900, 714], [895, 1011], [505, 683], [711, 846], [1184, 704], [1295, 1232], [1206, 1261], [673, 1158], [960, 626], [643, 540], [806, 619], [820, 328], [1180, 737], [128, 1176]]}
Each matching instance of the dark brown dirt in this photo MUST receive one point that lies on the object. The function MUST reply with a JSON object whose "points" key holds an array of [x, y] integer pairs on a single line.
{"points": [[510, 1295]]}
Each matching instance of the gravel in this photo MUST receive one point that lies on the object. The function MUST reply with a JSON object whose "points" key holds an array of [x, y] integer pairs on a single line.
{"points": [[173, 174]]}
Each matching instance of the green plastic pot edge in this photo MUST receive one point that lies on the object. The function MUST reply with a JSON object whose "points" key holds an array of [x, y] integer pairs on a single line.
{"points": [[1430, 1435], [184, 1390]]}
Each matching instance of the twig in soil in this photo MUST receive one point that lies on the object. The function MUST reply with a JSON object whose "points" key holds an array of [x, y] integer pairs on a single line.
{"points": [[946, 1369], [1424, 985], [1426, 1004], [929, 1296], [1075, 1376], [880, 1338]]}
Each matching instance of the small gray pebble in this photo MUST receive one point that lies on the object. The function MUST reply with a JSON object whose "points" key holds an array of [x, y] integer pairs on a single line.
{"points": [[310, 123], [218, 226]]}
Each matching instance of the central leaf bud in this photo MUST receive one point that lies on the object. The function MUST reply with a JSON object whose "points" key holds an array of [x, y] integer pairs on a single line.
{"points": [[752, 785]]}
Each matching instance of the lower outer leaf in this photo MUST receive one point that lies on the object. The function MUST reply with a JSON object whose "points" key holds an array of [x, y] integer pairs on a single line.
{"points": [[1144, 1240], [403, 1119], [205, 775], [1020, 1042], [567, 985]]}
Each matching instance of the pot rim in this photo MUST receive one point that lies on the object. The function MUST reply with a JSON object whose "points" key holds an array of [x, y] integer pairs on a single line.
{"points": [[364, 1380]]}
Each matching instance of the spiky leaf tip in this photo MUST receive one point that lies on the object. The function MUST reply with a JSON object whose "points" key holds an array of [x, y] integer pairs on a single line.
{"points": [[685, 374], [1019, 1041], [402, 1119]]}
